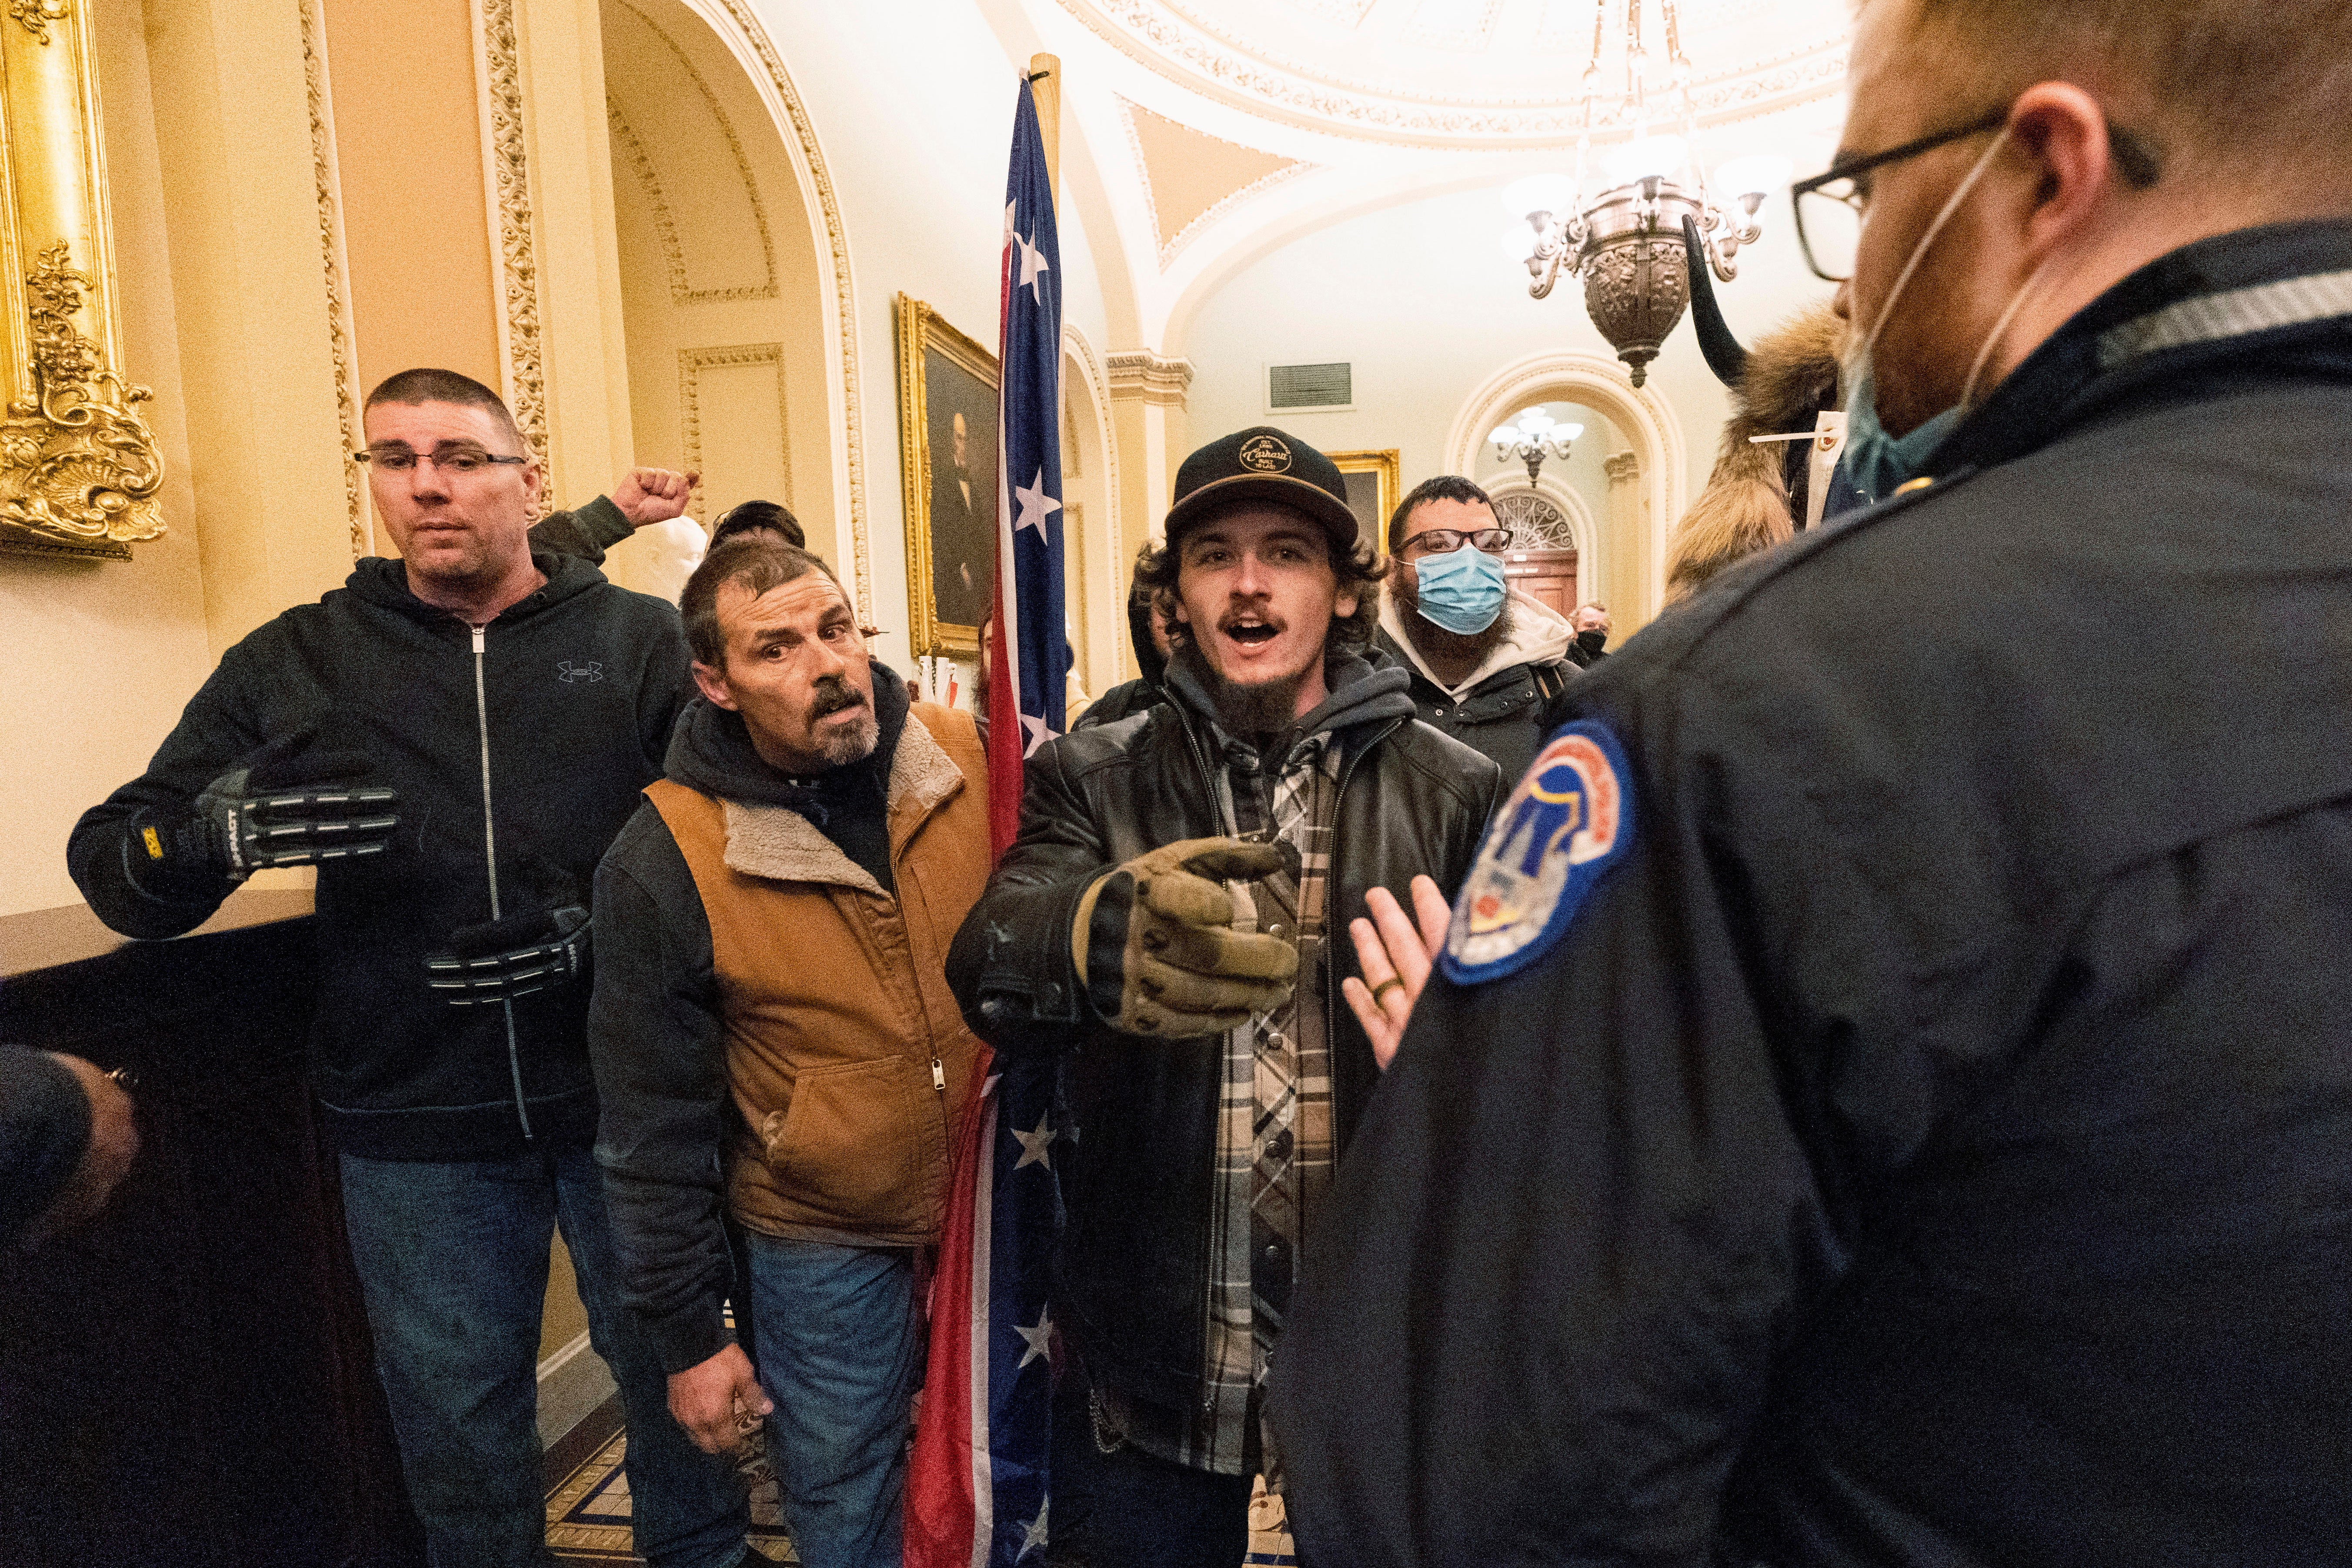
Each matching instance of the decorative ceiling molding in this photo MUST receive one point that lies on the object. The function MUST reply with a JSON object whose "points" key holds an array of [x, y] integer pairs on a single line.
{"points": [[1453, 24], [1190, 177], [681, 290], [1140, 373], [1165, 37]]}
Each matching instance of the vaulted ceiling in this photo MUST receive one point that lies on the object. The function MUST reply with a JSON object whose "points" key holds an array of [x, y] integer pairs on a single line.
{"points": [[1471, 73]]}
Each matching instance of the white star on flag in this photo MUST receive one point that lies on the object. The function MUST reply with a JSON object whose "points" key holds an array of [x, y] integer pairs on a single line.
{"points": [[1032, 262], [1036, 1148], [1039, 1340], [1034, 726], [1036, 506], [1036, 1536]]}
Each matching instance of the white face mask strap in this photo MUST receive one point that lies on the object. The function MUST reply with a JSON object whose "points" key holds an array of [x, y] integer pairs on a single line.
{"points": [[1919, 251], [2001, 330]]}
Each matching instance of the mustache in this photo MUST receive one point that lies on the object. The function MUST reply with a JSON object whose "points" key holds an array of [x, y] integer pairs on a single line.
{"points": [[833, 694]]}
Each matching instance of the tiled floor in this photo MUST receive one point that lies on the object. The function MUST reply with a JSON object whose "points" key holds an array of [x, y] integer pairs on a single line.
{"points": [[588, 1513]]}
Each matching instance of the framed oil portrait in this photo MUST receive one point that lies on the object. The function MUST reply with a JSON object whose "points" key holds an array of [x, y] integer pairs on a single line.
{"points": [[947, 437], [1372, 493]]}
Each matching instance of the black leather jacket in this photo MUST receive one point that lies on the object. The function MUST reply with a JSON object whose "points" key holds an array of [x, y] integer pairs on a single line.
{"points": [[1136, 1157]]}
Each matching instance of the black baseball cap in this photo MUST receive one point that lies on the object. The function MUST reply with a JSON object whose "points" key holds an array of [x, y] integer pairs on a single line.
{"points": [[746, 516], [1263, 464]]}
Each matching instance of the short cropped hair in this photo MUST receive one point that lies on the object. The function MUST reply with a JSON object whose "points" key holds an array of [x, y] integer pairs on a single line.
{"points": [[754, 560], [1157, 567], [411, 387], [1445, 486], [2273, 79], [1592, 604], [752, 514]]}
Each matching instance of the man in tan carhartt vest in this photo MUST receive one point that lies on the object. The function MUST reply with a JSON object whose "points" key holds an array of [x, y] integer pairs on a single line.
{"points": [[772, 1030]]}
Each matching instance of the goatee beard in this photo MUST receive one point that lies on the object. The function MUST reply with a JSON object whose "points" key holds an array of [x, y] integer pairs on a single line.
{"points": [[1433, 641], [1267, 708]]}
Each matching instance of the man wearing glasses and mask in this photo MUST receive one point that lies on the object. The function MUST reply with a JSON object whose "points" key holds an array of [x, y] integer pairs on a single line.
{"points": [[1888, 1100], [1488, 665], [453, 738]]}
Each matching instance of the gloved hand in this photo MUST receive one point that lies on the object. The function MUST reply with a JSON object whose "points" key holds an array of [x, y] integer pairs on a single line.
{"points": [[1155, 946], [286, 805], [497, 961]]}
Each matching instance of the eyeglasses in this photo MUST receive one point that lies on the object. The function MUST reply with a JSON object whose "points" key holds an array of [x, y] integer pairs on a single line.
{"points": [[1830, 206], [1441, 541], [448, 457]]}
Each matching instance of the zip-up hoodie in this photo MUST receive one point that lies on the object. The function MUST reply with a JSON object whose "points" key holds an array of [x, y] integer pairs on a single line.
{"points": [[518, 751], [1512, 702]]}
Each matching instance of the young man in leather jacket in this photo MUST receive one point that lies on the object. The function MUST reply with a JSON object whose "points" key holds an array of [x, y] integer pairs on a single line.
{"points": [[1165, 924]]}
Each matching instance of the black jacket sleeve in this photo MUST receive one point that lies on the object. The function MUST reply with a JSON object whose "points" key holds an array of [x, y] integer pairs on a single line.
{"points": [[1011, 965], [655, 1038], [219, 728], [1537, 1321], [585, 532]]}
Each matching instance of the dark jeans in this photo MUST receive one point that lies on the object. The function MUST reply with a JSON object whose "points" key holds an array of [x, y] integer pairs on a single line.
{"points": [[839, 1354], [1129, 1510], [453, 1261]]}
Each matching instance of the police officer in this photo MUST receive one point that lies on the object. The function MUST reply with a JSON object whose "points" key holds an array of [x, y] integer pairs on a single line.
{"points": [[1889, 1096]]}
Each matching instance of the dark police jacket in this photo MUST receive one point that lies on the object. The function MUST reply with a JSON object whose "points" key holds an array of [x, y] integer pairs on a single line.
{"points": [[538, 732], [1931, 1142], [1130, 1272]]}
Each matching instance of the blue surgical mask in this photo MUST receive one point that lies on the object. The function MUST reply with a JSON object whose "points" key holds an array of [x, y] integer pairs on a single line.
{"points": [[1875, 463], [1461, 590]]}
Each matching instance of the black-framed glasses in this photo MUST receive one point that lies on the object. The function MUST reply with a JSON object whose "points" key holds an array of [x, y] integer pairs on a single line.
{"points": [[448, 457], [1443, 541], [1830, 206]]}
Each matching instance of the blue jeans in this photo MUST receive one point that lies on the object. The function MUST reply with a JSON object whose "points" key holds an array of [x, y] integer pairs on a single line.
{"points": [[839, 1353], [451, 1259]]}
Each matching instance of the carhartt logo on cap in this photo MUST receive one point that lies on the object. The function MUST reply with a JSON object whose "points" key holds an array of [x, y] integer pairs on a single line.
{"points": [[1264, 455]]}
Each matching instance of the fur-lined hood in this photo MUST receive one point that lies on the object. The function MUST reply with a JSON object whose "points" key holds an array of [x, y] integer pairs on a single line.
{"points": [[1791, 376]]}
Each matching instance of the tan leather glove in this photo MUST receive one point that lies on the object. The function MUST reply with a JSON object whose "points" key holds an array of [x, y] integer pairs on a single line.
{"points": [[1154, 944]]}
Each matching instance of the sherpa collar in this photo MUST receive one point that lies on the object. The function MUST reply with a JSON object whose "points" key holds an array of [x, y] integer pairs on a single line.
{"points": [[780, 844]]}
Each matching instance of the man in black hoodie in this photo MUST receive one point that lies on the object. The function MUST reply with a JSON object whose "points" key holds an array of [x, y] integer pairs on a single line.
{"points": [[514, 703]]}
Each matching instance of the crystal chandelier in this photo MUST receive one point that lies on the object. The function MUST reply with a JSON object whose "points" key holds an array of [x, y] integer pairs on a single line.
{"points": [[1628, 241], [1536, 437]]}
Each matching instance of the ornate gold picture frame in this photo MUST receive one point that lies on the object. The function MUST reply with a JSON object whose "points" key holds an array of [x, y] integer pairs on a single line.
{"points": [[78, 467], [948, 445], [1372, 491]]}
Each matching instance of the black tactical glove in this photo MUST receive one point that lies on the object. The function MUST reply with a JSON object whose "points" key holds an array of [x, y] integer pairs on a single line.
{"points": [[286, 805], [1155, 945], [499, 961]]}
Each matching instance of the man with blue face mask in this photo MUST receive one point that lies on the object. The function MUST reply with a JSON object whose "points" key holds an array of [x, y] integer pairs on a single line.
{"points": [[1490, 666], [1886, 1101]]}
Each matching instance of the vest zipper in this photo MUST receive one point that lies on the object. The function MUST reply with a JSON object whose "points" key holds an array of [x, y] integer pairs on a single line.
{"points": [[938, 1076], [490, 853]]}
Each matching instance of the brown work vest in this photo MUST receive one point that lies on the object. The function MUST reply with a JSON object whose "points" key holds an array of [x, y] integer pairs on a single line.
{"points": [[845, 1051]]}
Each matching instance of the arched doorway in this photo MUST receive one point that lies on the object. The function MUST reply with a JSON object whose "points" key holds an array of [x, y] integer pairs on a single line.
{"points": [[1623, 560], [724, 288]]}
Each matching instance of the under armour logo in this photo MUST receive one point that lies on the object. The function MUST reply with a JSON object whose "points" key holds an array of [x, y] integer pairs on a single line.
{"points": [[568, 672]]}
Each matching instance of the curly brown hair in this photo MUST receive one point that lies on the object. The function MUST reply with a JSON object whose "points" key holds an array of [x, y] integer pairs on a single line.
{"points": [[1359, 571]]}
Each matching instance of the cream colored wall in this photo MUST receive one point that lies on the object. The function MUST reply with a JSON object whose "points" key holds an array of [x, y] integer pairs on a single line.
{"points": [[415, 218], [730, 378], [102, 654], [912, 106]]}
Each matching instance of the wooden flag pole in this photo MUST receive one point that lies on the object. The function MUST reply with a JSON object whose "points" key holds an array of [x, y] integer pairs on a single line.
{"points": [[1046, 84]]}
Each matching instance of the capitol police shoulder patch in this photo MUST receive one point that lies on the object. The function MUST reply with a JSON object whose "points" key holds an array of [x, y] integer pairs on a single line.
{"points": [[1570, 820]]}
